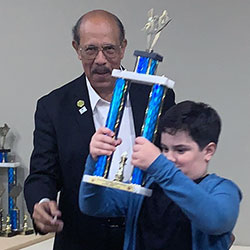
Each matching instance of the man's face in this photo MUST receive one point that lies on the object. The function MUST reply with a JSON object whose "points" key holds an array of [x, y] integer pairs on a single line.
{"points": [[185, 153], [99, 31]]}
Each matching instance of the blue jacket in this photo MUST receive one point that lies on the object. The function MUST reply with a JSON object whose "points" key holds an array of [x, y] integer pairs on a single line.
{"points": [[212, 205]]}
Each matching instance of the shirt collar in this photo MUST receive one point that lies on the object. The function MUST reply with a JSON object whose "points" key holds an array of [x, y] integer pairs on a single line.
{"points": [[93, 96]]}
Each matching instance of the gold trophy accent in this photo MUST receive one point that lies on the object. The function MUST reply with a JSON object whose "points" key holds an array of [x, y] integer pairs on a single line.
{"points": [[119, 175], [26, 230], [154, 26], [6, 228]]}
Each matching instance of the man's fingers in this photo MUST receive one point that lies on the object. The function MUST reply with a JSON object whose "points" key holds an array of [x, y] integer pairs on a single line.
{"points": [[47, 228], [54, 209], [42, 212], [46, 215]]}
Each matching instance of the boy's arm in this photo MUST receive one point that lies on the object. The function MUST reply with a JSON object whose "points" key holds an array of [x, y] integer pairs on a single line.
{"points": [[213, 208], [96, 200]]}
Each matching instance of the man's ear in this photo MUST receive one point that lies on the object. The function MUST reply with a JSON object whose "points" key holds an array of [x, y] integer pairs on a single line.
{"points": [[76, 47], [209, 151]]}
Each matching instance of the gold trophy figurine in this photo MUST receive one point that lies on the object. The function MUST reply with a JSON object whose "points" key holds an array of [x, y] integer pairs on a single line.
{"points": [[6, 228], [119, 175], [26, 230]]}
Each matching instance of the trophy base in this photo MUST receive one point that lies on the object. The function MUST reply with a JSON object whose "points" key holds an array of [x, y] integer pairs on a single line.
{"points": [[129, 187], [9, 234], [27, 232]]}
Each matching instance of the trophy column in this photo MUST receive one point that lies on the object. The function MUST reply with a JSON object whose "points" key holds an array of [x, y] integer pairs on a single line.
{"points": [[113, 122], [147, 63], [13, 191]]}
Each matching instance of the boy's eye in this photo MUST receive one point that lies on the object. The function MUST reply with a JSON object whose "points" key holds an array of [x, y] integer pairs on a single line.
{"points": [[181, 150], [164, 149]]}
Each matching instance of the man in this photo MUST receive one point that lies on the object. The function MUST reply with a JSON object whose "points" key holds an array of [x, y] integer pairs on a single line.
{"points": [[65, 120]]}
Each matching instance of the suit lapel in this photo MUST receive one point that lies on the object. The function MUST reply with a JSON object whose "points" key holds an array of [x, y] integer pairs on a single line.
{"points": [[83, 118]]}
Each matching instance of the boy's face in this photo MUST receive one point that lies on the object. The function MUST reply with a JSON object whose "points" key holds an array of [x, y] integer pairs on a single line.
{"points": [[185, 153]]}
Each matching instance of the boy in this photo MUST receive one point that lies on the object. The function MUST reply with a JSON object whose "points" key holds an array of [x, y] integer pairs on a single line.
{"points": [[189, 208]]}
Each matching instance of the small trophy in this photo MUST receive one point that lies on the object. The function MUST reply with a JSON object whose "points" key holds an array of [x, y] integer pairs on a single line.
{"points": [[26, 230], [6, 228], [3, 152], [145, 68]]}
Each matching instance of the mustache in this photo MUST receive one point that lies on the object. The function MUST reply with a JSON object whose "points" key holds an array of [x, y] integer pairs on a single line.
{"points": [[101, 70]]}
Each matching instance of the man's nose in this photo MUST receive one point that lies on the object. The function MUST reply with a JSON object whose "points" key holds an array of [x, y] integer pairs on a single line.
{"points": [[100, 58]]}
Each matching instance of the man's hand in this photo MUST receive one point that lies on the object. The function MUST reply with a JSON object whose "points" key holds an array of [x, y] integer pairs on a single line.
{"points": [[144, 153], [45, 216], [103, 143]]}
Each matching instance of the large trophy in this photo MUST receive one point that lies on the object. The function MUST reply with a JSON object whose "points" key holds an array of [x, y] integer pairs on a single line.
{"points": [[145, 68], [9, 219]]}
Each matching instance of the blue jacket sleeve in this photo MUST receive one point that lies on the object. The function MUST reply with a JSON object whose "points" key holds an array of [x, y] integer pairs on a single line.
{"points": [[100, 201], [212, 205]]}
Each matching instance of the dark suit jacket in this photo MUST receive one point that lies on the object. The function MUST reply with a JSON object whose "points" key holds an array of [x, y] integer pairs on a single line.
{"points": [[61, 145]]}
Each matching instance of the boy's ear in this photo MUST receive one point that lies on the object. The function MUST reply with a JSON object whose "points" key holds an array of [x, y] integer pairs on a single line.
{"points": [[209, 151]]}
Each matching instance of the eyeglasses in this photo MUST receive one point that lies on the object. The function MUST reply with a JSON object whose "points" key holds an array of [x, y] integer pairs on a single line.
{"points": [[110, 51]]}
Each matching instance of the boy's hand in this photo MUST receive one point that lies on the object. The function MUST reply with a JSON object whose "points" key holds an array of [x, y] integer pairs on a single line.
{"points": [[103, 143], [144, 153]]}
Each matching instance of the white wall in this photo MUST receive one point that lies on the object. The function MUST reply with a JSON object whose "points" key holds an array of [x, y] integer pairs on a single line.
{"points": [[206, 50]]}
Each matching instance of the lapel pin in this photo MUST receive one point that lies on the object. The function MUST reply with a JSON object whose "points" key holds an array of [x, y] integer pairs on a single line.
{"points": [[81, 104]]}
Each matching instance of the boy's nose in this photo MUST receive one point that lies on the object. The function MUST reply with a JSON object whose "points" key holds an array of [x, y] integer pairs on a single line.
{"points": [[171, 156]]}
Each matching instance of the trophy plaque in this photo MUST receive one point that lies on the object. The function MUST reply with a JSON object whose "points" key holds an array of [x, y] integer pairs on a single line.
{"points": [[144, 73]]}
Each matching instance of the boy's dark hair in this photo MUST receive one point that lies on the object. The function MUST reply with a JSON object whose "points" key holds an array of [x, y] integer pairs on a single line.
{"points": [[199, 120]]}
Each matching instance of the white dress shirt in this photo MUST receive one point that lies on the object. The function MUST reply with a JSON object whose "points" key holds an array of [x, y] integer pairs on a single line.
{"points": [[100, 110]]}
